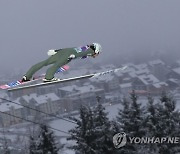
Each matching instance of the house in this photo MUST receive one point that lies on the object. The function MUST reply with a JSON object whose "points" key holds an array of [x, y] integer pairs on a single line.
{"points": [[173, 83], [142, 82], [45, 89], [158, 69], [27, 100], [3, 95], [125, 88], [148, 79], [18, 93], [174, 73], [158, 88], [10, 113], [131, 72], [142, 72], [142, 66], [113, 99], [28, 108], [108, 82], [47, 103], [139, 84], [176, 64], [74, 96], [149, 84], [67, 90]]}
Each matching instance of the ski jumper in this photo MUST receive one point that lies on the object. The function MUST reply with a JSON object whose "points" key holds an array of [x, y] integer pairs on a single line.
{"points": [[62, 57]]}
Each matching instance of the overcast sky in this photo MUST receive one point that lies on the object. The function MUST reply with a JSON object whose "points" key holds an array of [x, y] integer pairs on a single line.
{"points": [[28, 28]]}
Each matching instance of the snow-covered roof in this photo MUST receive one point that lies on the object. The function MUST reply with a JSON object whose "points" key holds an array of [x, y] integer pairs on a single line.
{"points": [[119, 73], [126, 79], [69, 88], [134, 70], [3, 95], [126, 85], [4, 107], [141, 66], [27, 98], [45, 98], [177, 70], [42, 98], [142, 71], [105, 78], [86, 88], [160, 84], [81, 89], [148, 79], [132, 74], [51, 96], [156, 62], [173, 80], [86, 84]]}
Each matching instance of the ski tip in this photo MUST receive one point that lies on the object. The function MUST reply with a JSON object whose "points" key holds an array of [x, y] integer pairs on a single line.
{"points": [[124, 67], [66, 67], [120, 69]]}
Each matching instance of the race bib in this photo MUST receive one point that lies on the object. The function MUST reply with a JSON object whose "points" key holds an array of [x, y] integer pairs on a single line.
{"points": [[81, 49]]}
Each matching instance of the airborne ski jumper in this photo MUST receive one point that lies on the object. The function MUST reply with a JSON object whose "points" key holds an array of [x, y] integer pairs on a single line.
{"points": [[61, 57]]}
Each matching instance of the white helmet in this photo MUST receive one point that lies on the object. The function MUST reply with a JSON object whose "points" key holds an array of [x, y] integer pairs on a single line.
{"points": [[98, 48]]}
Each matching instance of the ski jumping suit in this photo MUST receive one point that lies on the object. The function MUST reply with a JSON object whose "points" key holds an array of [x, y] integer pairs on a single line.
{"points": [[62, 57]]}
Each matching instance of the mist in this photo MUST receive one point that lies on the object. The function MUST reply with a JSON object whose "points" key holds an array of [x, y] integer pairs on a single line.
{"points": [[127, 30]]}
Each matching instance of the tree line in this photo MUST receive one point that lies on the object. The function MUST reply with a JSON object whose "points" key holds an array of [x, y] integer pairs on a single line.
{"points": [[94, 131]]}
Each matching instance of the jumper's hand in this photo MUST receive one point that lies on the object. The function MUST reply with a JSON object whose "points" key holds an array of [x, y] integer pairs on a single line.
{"points": [[72, 56], [51, 52]]}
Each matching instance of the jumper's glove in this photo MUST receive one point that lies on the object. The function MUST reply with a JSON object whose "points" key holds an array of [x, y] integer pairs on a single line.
{"points": [[72, 56], [51, 52]]}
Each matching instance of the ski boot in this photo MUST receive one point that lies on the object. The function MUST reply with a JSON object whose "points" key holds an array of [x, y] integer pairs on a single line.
{"points": [[51, 80], [24, 79]]}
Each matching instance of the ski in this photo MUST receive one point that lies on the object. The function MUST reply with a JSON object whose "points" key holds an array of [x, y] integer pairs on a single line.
{"points": [[109, 71], [34, 80], [95, 75]]}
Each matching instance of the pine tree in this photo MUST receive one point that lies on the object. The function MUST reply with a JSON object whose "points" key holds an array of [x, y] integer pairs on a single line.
{"points": [[162, 120], [151, 117], [103, 131], [123, 117], [45, 143], [168, 123], [124, 120], [6, 149], [83, 132], [32, 145], [151, 122], [136, 117], [131, 121], [94, 132]]}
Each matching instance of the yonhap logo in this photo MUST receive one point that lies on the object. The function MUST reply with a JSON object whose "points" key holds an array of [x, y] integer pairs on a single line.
{"points": [[119, 140]]}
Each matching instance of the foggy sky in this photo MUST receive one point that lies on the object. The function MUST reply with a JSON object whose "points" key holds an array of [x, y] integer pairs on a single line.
{"points": [[28, 29]]}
